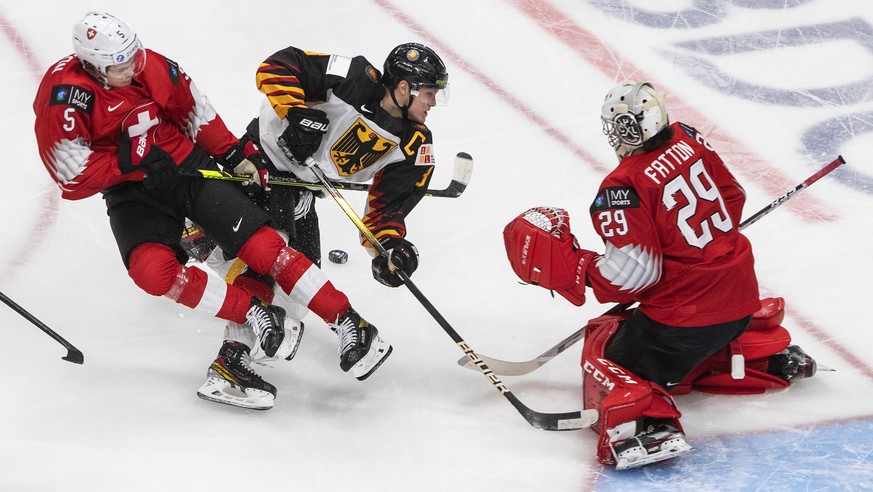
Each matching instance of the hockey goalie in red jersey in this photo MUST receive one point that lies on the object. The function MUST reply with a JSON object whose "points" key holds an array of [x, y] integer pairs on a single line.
{"points": [[118, 119], [669, 217]]}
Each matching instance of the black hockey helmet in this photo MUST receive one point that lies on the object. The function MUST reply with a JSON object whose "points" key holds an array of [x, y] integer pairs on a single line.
{"points": [[417, 64]]}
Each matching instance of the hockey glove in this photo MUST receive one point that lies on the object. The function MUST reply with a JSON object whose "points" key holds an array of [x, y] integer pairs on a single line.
{"points": [[306, 127], [159, 167], [542, 251], [401, 255], [246, 158]]}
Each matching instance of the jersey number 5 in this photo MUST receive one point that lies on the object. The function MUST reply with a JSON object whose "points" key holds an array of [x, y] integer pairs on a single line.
{"points": [[699, 186]]}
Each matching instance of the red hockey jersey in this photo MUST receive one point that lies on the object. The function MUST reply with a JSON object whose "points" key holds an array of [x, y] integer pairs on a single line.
{"points": [[79, 122], [669, 220]]}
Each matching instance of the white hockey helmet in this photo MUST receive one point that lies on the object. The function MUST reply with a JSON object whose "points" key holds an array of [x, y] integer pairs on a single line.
{"points": [[632, 113], [101, 40]]}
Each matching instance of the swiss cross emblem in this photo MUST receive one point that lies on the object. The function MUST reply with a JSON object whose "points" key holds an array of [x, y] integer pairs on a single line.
{"points": [[91, 33]]}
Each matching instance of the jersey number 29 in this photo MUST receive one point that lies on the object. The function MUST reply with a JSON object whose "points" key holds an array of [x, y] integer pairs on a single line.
{"points": [[698, 186]]}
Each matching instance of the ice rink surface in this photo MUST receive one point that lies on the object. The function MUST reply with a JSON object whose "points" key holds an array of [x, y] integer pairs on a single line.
{"points": [[779, 87]]}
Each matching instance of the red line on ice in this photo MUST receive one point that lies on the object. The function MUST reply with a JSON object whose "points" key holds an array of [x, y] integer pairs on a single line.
{"points": [[50, 198]]}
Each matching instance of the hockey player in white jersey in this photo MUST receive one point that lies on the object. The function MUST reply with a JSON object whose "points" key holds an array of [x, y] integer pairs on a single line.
{"points": [[358, 125]]}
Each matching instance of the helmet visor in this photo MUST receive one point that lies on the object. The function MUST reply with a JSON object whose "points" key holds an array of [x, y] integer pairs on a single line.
{"points": [[435, 95], [132, 65], [121, 74]]}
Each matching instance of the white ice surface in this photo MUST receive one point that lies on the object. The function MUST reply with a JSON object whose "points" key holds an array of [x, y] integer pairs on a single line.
{"points": [[527, 79]]}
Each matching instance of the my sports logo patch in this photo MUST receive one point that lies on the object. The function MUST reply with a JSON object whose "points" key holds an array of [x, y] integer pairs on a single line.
{"points": [[173, 68], [73, 96], [616, 197], [359, 147]]}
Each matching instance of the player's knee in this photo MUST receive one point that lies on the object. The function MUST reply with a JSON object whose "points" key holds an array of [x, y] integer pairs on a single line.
{"points": [[153, 268], [262, 249]]}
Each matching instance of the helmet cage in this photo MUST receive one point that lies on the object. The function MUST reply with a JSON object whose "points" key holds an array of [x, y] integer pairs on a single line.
{"points": [[632, 114]]}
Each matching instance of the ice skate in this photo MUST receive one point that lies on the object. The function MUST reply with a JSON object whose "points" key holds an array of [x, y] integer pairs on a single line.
{"points": [[268, 322], [232, 381], [360, 346], [792, 363], [287, 349], [657, 442]]}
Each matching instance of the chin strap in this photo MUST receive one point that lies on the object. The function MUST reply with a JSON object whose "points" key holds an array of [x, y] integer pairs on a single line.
{"points": [[404, 110]]}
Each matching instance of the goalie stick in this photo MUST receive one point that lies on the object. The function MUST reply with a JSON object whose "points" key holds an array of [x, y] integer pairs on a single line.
{"points": [[548, 421], [461, 173], [74, 355], [508, 368]]}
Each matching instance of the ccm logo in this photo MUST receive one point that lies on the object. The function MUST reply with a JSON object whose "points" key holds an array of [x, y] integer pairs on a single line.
{"points": [[319, 127]]}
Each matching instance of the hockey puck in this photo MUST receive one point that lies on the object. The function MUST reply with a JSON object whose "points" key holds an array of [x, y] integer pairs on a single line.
{"points": [[338, 256]]}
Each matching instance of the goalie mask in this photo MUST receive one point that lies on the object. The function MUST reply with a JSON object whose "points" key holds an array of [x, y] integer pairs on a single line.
{"points": [[632, 113], [101, 41]]}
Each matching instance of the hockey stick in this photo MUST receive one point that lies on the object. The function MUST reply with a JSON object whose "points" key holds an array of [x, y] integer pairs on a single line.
{"points": [[74, 355], [507, 368], [461, 173], [547, 421]]}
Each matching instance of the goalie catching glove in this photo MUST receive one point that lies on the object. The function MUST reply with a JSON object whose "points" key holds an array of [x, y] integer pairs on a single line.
{"points": [[400, 255], [542, 251], [246, 158]]}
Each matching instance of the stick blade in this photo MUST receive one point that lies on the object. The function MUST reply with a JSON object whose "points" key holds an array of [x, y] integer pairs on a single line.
{"points": [[461, 174], [75, 356], [564, 421]]}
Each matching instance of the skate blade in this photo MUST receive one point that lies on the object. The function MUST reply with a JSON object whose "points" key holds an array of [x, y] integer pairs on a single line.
{"points": [[672, 450], [215, 390], [374, 358], [291, 343]]}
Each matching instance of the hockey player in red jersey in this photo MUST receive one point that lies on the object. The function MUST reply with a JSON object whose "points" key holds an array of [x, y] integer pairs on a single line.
{"points": [[357, 124], [668, 216], [118, 119]]}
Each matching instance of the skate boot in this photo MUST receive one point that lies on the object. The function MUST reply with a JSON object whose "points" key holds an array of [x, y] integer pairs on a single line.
{"points": [[360, 346], [268, 321], [231, 370], [659, 440], [792, 363]]}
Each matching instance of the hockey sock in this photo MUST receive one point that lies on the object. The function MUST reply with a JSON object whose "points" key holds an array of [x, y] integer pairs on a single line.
{"points": [[298, 277], [154, 268]]}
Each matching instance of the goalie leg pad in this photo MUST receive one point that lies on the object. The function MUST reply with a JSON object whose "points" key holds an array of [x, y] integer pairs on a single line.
{"points": [[770, 315], [763, 339], [622, 398]]}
